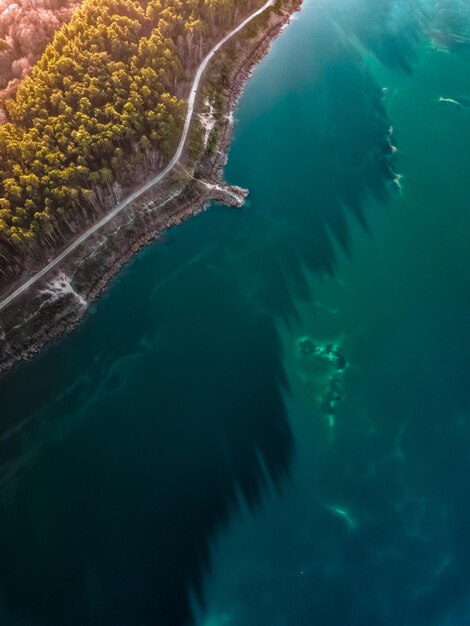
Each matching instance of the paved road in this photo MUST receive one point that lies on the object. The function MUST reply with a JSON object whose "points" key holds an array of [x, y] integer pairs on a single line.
{"points": [[150, 183]]}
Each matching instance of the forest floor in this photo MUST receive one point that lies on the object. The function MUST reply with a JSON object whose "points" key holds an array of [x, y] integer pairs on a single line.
{"points": [[57, 302]]}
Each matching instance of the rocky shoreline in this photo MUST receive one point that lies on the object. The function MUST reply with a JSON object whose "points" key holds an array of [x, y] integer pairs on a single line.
{"points": [[59, 304]]}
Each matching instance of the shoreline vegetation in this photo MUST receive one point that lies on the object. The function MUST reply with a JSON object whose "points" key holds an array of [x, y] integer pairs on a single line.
{"points": [[59, 301]]}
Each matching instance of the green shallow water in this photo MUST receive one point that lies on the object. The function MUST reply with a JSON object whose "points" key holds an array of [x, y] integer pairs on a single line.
{"points": [[266, 420]]}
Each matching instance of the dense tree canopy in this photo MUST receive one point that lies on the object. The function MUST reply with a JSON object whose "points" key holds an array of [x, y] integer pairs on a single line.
{"points": [[26, 27], [106, 97]]}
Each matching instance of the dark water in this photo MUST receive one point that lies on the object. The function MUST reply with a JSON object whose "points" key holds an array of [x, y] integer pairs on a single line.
{"points": [[267, 418]]}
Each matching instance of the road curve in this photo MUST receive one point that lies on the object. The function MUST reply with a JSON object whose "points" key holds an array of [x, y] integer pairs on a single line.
{"points": [[150, 183]]}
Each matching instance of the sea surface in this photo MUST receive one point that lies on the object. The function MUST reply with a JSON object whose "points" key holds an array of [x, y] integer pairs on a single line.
{"points": [[266, 419]]}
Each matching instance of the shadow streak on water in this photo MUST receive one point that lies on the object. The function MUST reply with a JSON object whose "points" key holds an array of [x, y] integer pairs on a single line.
{"points": [[326, 164], [120, 516], [167, 412], [391, 29]]}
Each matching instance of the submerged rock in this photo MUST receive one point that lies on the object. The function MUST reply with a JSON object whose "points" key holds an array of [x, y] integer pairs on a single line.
{"points": [[306, 347], [333, 353]]}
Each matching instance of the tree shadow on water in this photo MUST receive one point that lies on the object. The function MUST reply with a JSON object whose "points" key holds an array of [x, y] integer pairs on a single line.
{"points": [[181, 413], [115, 523], [391, 29], [329, 160]]}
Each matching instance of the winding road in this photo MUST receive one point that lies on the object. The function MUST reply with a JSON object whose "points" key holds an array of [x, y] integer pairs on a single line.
{"points": [[150, 183]]}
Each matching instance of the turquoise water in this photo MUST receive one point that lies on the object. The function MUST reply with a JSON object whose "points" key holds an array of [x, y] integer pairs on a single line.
{"points": [[266, 420]]}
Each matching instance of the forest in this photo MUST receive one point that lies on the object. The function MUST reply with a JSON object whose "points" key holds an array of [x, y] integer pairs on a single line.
{"points": [[106, 98], [26, 27]]}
